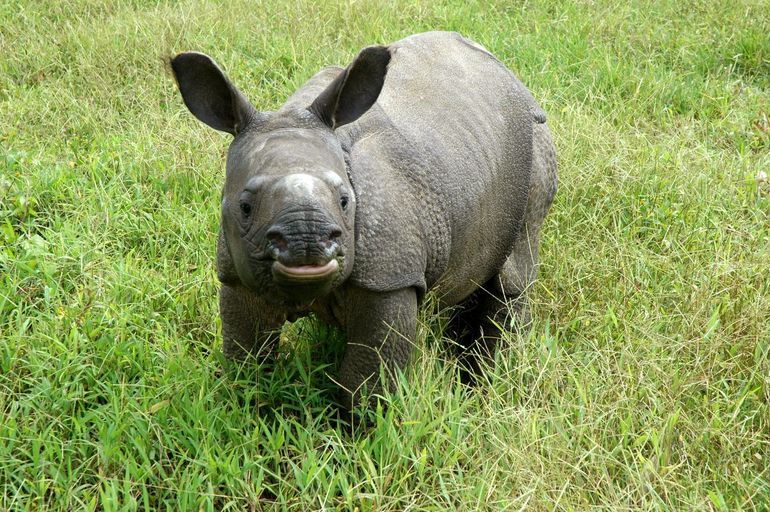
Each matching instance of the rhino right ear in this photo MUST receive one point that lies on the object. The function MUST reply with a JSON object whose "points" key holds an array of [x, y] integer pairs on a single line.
{"points": [[209, 94]]}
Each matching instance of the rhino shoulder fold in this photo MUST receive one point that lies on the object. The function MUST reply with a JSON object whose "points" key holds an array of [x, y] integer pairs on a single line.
{"points": [[390, 251]]}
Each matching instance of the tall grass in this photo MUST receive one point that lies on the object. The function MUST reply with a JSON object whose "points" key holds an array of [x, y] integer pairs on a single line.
{"points": [[644, 383]]}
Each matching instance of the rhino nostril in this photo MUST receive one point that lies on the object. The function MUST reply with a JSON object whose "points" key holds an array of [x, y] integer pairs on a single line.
{"points": [[334, 232], [275, 236]]}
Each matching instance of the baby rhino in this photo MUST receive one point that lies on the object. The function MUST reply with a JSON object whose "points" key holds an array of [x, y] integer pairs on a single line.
{"points": [[423, 166]]}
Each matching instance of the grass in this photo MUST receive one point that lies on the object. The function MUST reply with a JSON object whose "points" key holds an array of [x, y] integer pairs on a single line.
{"points": [[644, 383]]}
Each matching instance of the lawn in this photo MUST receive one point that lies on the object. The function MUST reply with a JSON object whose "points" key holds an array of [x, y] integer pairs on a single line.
{"points": [[644, 382]]}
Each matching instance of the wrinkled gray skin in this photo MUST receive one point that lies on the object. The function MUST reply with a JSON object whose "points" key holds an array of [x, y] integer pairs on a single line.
{"points": [[424, 165]]}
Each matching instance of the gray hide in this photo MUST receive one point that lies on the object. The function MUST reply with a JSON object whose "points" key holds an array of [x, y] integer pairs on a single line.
{"points": [[423, 166]]}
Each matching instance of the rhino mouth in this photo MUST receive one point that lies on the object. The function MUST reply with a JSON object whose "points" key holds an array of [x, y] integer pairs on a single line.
{"points": [[305, 273]]}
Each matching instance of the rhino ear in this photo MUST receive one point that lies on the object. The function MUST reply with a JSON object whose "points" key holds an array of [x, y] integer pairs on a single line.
{"points": [[354, 90], [209, 94]]}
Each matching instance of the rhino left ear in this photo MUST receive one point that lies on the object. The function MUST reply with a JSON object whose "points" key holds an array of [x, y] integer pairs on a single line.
{"points": [[354, 90]]}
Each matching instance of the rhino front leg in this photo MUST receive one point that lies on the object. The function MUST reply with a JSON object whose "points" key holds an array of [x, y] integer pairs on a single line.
{"points": [[250, 328], [380, 329]]}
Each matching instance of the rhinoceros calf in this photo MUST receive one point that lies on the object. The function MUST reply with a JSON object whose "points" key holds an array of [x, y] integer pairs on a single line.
{"points": [[423, 166]]}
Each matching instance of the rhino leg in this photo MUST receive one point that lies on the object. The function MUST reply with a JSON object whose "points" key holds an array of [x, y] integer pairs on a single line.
{"points": [[250, 327], [380, 329], [502, 301], [478, 324], [520, 269]]}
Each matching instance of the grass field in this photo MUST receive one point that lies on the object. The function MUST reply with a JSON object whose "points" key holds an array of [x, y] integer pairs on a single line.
{"points": [[644, 383]]}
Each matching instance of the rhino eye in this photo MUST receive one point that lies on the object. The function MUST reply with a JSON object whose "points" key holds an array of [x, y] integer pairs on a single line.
{"points": [[245, 208], [344, 202]]}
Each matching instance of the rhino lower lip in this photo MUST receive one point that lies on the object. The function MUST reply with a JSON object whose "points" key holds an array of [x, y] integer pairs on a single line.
{"points": [[306, 271]]}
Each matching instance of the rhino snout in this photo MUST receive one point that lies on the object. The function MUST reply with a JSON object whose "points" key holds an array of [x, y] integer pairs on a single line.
{"points": [[314, 247]]}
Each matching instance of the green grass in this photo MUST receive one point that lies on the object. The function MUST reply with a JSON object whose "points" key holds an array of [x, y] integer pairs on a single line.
{"points": [[644, 383]]}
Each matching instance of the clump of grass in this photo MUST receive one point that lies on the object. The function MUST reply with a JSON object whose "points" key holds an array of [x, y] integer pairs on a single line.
{"points": [[643, 383]]}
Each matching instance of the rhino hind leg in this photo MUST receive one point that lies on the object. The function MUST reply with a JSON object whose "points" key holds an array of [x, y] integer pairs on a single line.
{"points": [[480, 324], [502, 303]]}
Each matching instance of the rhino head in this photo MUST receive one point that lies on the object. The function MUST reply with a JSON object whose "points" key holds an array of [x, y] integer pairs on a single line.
{"points": [[288, 207]]}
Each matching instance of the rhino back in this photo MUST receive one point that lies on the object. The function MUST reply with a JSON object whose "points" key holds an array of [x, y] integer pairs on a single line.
{"points": [[441, 168]]}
